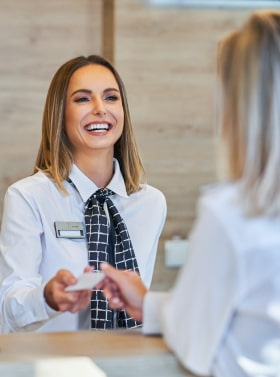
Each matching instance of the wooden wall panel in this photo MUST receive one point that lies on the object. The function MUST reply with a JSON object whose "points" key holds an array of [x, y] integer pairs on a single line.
{"points": [[36, 37], [167, 60], [108, 29], [166, 57]]}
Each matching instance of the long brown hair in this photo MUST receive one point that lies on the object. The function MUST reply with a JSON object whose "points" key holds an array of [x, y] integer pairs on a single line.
{"points": [[55, 158]]}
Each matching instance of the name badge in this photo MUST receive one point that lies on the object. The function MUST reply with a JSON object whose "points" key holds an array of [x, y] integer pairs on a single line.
{"points": [[69, 229]]}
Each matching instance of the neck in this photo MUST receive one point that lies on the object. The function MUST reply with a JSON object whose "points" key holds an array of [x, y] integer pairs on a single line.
{"points": [[99, 170]]}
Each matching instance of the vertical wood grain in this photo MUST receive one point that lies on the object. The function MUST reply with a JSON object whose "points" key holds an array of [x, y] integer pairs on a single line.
{"points": [[108, 29], [36, 37]]}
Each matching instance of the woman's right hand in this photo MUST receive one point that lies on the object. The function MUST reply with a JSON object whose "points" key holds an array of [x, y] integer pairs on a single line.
{"points": [[59, 299]]}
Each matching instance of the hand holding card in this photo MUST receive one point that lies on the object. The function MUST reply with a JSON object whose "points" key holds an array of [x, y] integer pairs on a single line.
{"points": [[87, 280]]}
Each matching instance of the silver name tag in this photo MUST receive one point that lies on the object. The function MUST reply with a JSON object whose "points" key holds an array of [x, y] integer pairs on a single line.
{"points": [[69, 229]]}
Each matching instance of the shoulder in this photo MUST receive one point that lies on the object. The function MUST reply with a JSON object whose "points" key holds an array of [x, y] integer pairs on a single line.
{"points": [[222, 209], [222, 203], [36, 184], [152, 194], [149, 198], [219, 197], [219, 210]]}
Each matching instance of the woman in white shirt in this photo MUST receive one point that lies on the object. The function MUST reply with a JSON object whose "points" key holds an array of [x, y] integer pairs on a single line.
{"points": [[87, 143], [222, 317]]}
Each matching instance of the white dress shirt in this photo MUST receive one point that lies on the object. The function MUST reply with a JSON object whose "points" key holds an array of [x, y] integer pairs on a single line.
{"points": [[222, 318], [30, 253]]}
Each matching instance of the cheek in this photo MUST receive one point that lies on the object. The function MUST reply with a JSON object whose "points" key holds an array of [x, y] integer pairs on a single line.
{"points": [[72, 120], [120, 124], [122, 120], [120, 117], [70, 116]]}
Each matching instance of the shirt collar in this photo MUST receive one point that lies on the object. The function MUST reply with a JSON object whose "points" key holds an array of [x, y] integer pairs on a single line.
{"points": [[86, 187]]}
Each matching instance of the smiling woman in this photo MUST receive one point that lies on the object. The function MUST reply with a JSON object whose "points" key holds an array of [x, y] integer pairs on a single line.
{"points": [[82, 206]]}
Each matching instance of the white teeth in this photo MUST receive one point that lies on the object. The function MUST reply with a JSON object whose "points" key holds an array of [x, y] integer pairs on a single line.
{"points": [[98, 127]]}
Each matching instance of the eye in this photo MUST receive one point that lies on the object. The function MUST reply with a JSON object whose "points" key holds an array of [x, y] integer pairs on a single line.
{"points": [[112, 98], [81, 99]]}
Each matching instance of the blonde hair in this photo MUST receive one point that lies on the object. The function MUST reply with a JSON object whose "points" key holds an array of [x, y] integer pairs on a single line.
{"points": [[249, 110], [55, 157]]}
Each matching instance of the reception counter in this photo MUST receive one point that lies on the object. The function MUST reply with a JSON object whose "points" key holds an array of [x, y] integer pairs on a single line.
{"points": [[117, 353]]}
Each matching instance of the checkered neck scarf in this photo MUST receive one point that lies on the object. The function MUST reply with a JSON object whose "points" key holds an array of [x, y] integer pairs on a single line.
{"points": [[108, 241]]}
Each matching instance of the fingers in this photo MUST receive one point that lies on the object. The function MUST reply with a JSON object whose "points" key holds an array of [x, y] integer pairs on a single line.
{"points": [[116, 303], [65, 278], [107, 286], [124, 289], [79, 301], [109, 271], [89, 269], [110, 285], [60, 300]]}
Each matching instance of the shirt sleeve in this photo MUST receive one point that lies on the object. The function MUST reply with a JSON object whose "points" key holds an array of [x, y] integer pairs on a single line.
{"points": [[22, 304], [153, 304], [196, 313]]}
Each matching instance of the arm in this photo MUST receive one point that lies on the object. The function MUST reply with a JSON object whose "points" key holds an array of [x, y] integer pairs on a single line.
{"points": [[195, 315], [27, 298], [199, 308]]}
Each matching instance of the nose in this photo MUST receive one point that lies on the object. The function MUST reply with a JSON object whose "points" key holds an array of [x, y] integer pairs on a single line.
{"points": [[99, 107]]}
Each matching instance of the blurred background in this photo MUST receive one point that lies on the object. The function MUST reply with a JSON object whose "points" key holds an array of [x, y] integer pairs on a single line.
{"points": [[165, 54]]}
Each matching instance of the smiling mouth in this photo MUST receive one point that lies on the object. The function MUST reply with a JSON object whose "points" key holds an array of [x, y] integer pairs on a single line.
{"points": [[98, 127]]}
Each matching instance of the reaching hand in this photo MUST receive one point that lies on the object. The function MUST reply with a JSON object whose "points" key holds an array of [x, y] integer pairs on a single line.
{"points": [[123, 290], [58, 299]]}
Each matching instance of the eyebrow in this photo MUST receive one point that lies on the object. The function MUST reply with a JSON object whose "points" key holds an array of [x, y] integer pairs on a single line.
{"points": [[88, 91]]}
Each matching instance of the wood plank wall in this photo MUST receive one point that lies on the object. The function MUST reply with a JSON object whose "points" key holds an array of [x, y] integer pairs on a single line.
{"points": [[166, 57], [36, 37]]}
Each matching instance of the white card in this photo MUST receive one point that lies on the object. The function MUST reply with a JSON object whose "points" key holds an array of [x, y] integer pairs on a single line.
{"points": [[86, 281]]}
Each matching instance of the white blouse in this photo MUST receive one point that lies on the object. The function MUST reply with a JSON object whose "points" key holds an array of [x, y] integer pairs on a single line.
{"points": [[31, 254], [222, 317]]}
